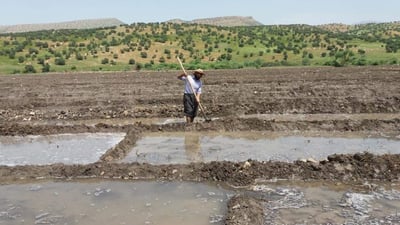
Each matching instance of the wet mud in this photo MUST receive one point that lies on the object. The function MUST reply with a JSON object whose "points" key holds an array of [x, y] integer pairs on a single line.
{"points": [[337, 100]]}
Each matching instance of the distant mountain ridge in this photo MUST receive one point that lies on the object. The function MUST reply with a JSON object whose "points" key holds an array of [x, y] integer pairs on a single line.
{"points": [[227, 21], [340, 27], [110, 22], [77, 24]]}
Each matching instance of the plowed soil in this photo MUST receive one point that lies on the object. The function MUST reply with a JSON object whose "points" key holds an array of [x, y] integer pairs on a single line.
{"points": [[351, 99]]}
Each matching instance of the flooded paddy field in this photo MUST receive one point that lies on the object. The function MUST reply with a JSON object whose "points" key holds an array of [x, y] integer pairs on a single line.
{"points": [[149, 202], [112, 202], [51, 149], [284, 146], [187, 147]]}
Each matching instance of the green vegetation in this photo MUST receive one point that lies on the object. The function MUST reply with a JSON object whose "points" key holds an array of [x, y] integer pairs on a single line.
{"points": [[155, 46]]}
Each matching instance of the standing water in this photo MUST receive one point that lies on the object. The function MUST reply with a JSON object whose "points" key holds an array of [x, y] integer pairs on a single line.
{"points": [[62, 148], [184, 203], [316, 203], [105, 203], [170, 148]]}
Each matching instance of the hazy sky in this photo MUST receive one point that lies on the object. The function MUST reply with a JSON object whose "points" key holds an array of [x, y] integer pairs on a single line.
{"points": [[265, 11]]}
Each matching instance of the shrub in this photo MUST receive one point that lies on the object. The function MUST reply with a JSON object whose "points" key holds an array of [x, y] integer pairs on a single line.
{"points": [[29, 69], [46, 68], [104, 61], [59, 61], [21, 59], [79, 56]]}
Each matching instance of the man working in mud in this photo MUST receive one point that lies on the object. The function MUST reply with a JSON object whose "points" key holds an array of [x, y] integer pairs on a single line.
{"points": [[191, 100]]}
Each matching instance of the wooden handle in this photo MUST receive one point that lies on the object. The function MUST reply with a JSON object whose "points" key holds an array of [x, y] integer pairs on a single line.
{"points": [[180, 62], [190, 83]]}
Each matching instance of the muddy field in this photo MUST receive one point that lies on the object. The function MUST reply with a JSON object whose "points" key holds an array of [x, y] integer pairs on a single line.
{"points": [[338, 100]]}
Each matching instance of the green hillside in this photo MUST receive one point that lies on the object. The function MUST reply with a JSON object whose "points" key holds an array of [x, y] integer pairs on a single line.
{"points": [[155, 46]]}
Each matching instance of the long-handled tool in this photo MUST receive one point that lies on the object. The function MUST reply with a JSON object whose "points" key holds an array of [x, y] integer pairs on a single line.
{"points": [[191, 87]]}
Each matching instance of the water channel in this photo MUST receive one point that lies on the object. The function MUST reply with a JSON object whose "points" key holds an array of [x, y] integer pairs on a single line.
{"points": [[186, 147]]}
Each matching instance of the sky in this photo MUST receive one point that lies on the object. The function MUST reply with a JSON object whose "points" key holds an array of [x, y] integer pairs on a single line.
{"points": [[268, 12]]}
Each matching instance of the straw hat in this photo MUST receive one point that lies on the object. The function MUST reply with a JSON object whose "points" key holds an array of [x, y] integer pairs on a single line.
{"points": [[200, 71]]}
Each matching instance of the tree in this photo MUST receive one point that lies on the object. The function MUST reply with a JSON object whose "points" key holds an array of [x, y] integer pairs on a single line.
{"points": [[59, 61], [21, 59], [132, 61], [79, 56], [285, 56], [29, 69], [104, 61], [40, 61], [11, 54], [46, 68], [361, 51], [138, 66], [342, 58], [392, 45], [114, 42], [33, 51]]}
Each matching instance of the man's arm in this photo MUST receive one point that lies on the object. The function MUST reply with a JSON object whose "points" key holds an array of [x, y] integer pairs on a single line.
{"points": [[181, 76], [198, 97]]}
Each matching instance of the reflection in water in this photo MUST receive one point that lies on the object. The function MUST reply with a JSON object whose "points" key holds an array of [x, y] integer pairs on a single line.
{"points": [[192, 147]]}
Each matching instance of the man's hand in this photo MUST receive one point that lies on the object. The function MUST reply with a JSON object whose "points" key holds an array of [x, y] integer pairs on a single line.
{"points": [[182, 75]]}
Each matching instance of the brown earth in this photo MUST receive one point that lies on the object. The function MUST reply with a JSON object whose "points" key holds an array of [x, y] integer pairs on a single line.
{"points": [[340, 100]]}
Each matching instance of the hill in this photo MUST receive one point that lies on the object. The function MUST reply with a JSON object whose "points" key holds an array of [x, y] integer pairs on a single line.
{"points": [[155, 46], [227, 21], [77, 24], [335, 27]]}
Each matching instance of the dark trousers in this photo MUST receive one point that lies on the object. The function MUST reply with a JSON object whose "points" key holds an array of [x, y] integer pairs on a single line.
{"points": [[190, 105]]}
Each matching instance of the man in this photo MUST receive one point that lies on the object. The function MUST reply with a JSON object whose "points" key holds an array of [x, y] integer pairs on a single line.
{"points": [[192, 92]]}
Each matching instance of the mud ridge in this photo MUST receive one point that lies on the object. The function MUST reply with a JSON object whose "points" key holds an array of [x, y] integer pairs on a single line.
{"points": [[119, 151], [344, 168], [230, 124]]}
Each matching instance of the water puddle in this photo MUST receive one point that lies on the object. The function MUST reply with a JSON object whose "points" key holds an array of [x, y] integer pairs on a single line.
{"points": [[171, 148], [104, 203], [184, 203], [324, 116], [113, 121], [62, 148], [330, 205]]}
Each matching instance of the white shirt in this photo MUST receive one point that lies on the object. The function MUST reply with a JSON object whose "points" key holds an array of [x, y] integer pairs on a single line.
{"points": [[196, 84]]}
